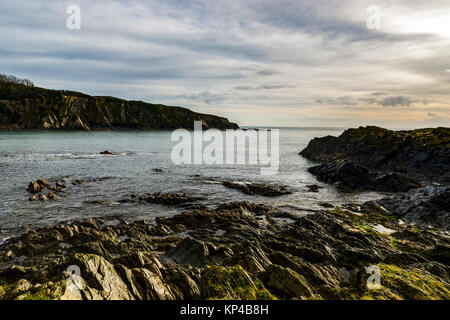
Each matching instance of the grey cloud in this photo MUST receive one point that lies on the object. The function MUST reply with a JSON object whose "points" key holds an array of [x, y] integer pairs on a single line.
{"points": [[396, 101], [265, 87], [205, 97]]}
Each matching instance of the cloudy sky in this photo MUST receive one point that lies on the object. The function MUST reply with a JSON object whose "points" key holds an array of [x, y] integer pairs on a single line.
{"points": [[256, 62]]}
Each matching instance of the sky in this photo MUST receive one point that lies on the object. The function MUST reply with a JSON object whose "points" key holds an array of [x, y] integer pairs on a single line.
{"points": [[286, 63]]}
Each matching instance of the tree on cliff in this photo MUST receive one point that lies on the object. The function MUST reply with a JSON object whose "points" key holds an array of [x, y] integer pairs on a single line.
{"points": [[13, 79]]}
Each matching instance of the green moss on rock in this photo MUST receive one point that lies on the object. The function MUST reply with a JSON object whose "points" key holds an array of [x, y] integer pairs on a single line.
{"points": [[232, 283]]}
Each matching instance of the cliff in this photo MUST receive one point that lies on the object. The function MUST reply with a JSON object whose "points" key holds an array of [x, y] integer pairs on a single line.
{"points": [[27, 107]]}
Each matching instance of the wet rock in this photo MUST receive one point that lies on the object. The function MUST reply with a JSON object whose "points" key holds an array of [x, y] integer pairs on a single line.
{"points": [[286, 282], [44, 183], [60, 185], [349, 176], [102, 277], [428, 206], [321, 255], [183, 284], [77, 182], [170, 198], [392, 182], [42, 197], [231, 283], [38, 186], [313, 188], [109, 153], [32, 198], [52, 196], [34, 187], [345, 175], [197, 253], [257, 188]]}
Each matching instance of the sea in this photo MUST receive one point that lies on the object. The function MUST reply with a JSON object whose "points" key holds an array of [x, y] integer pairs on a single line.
{"points": [[143, 164]]}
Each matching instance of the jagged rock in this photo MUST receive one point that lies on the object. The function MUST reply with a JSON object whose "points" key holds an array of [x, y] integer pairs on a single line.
{"points": [[286, 282], [419, 154], [101, 276], [170, 199], [311, 257], [109, 153], [349, 176], [231, 283], [257, 188], [52, 196], [43, 183], [428, 206], [60, 185], [313, 188], [392, 182], [42, 197], [197, 253], [251, 257], [35, 187], [346, 175]]}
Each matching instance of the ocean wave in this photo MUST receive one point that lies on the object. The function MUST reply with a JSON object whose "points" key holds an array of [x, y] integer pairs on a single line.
{"points": [[67, 155]]}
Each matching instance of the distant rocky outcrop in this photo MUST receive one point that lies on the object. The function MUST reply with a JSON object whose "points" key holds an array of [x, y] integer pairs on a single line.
{"points": [[27, 107], [422, 154]]}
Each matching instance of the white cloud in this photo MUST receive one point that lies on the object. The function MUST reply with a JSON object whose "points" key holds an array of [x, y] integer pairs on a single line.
{"points": [[262, 56]]}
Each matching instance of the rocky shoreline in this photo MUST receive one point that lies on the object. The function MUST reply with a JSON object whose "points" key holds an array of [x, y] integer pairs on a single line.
{"points": [[239, 250], [246, 250]]}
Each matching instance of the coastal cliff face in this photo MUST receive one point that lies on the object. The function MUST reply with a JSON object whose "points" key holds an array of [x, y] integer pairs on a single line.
{"points": [[419, 153], [26, 107]]}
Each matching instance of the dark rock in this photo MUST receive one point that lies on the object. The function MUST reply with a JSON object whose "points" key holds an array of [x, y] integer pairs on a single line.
{"points": [[171, 198], [313, 188], [60, 185], [428, 206], [109, 153], [286, 282], [34, 187], [257, 188], [322, 255], [52, 196], [422, 153], [346, 174], [392, 182], [42, 197], [349, 176]]}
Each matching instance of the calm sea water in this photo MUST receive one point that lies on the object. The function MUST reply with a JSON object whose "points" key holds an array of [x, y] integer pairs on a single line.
{"points": [[65, 156]]}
